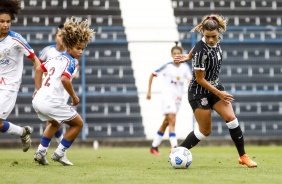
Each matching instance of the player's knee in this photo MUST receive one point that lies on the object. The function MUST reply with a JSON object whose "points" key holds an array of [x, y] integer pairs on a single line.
{"points": [[230, 118], [205, 131], [165, 123], [79, 124], [172, 123], [171, 119]]}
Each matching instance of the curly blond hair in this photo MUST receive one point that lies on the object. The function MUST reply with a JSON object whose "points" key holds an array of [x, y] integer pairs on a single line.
{"points": [[11, 7], [76, 32], [211, 22]]}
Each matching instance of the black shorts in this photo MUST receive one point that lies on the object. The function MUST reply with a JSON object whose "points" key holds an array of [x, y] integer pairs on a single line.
{"points": [[203, 101]]}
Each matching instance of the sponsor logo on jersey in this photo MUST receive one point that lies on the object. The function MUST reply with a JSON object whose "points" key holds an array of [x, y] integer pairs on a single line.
{"points": [[4, 56]]}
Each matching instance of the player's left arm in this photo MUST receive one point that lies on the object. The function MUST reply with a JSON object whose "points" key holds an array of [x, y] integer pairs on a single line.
{"points": [[69, 88], [76, 72], [36, 61]]}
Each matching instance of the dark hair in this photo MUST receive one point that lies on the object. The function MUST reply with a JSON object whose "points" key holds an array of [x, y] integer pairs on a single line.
{"points": [[60, 27], [211, 22], [11, 7], [176, 47]]}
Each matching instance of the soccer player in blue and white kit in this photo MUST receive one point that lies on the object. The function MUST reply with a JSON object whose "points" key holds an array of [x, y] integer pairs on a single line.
{"points": [[48, 101], [52, 51], [175, 75], [13, 47]]}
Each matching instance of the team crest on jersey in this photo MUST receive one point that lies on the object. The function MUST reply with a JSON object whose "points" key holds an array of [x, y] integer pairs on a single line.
{"points": [[204, 101], [5, 53]]}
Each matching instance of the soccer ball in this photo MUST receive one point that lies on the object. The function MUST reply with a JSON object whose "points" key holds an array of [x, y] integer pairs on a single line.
{"points": [[180, 158]]}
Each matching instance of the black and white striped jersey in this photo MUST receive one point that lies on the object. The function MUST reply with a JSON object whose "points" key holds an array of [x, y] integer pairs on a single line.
{"points": [[206, 58]]}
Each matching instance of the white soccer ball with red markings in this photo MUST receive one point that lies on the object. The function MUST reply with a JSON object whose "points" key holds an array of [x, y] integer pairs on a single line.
{"points": [[180, 158]]}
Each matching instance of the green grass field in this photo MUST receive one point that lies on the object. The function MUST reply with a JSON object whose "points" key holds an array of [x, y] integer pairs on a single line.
{"points": [[216, 165]]}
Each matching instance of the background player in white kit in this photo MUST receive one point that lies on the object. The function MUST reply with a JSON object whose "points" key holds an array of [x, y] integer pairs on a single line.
{"points": [[48, 99], [52, 51], [175, 75], [12, 49]]}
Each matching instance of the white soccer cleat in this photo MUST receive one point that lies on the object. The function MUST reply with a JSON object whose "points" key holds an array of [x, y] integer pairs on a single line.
{"points": [[62, 159], [40, 158]]}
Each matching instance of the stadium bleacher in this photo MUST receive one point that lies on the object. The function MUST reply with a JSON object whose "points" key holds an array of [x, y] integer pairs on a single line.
{"points": [[112, 107], [251, 68]]}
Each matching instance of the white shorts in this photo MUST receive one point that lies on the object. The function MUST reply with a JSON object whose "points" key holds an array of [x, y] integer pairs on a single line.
{"points": [[7, 102], [48, 112], [170, 105]]}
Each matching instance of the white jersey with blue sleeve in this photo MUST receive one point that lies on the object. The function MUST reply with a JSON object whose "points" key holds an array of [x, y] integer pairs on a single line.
{"points": [[48, 53], [174, 78], [52, 89], [12, 49]]}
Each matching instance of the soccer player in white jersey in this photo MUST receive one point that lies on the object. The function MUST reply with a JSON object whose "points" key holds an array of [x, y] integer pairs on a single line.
{"points": [[175, 75], [52, 51], [48, 101], [13, 47]]}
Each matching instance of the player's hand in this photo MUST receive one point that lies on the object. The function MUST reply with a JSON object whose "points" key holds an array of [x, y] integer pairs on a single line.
{"points": [[148, 97], [182, 58], [226, 97], [75, 100]]}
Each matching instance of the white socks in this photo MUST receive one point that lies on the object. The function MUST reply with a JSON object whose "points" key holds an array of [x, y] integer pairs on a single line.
{"points": [[159, 137], [61, 150], [15, 130], [157, 140], [198, 134], [42, 149], [173, 141], [233, 124]]}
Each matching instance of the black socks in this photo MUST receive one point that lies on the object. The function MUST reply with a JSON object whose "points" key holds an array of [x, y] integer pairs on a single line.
{"points": [[190, 141], [238, 139]]}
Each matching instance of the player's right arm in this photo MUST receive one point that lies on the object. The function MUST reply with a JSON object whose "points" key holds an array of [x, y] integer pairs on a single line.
{"points": [[149, 87], [38, 79], [183, 57]]}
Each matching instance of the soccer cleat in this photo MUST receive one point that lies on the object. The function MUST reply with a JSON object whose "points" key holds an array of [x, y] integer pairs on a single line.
{"points": [[62, 159], [245, 160], [40, 158], [155, 151], [26, 140]]}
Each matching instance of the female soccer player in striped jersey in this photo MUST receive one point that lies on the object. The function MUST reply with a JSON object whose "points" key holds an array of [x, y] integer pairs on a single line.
{"points": [[48, 101], [206, 91], [12, 49], [174, 77]]}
